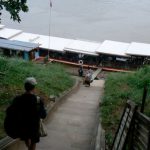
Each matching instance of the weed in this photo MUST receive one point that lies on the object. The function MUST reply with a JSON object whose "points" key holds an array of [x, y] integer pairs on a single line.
{"points": [[120, 87], [52, 80]]}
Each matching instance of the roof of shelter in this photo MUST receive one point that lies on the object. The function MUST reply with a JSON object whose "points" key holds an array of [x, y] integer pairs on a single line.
{"points": [[139, 49], [53, 43], [78, 46], [17, 45], [2, 26], [113, 48], [26, 37], [46, 42], [9, 33], [84, 47]]}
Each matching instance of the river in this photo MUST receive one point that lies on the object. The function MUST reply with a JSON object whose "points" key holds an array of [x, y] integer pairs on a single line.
{"points": [[95, 20]]}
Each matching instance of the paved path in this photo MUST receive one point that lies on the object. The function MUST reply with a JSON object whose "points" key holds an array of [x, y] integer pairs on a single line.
{"points": [[72, 124]]}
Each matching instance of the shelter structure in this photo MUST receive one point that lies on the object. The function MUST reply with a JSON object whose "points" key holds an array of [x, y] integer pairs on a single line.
{"points": [[113, 53], [139, 49], [7, 33], [83, 51], [108, 53], [53, 46], [52, 43], [49, 45], [2, 26], [25, 37], [113, 48], [15, 48], [83, 47], [139, 52], [46, 42]]}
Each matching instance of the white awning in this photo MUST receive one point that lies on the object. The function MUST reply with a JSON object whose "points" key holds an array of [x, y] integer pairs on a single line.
{"points": [[84, 47], [17, 45], [2, 26], [46, 42], [52, 43], [26, 37], [80, 52], [139, 49], [9, 33], [113, 48]]}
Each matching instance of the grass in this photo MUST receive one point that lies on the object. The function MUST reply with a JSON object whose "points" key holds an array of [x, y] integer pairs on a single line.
{"points": [[120, 87], [52, 80]]}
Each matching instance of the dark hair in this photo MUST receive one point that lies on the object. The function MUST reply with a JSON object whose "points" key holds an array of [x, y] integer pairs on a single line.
{"points": [[28, 86]]}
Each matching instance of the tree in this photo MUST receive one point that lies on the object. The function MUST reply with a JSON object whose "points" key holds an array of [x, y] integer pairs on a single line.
{"points": [[14, 7]]}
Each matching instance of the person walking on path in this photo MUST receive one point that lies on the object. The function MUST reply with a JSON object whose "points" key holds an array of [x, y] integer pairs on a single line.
{"points": [[80, 71], [88, 76], [30, 110]]}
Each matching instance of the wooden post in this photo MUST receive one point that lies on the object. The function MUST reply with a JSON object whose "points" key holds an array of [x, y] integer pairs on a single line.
{"points": [[144, 98]]}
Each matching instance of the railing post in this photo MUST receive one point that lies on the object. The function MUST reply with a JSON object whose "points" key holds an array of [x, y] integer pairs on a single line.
{"points": [[149, 141], [144, 98]]}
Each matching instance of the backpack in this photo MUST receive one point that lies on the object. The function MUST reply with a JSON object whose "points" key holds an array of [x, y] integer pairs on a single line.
{"points": [[13, 124], [88, 77], [11, 121]]}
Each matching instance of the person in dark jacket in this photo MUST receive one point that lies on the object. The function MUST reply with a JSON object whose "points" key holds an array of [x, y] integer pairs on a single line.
{"points": [[80, 71], [31, 111]]}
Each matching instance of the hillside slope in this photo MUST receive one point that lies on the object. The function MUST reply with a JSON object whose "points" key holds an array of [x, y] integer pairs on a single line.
{"points": [[52, 80]]}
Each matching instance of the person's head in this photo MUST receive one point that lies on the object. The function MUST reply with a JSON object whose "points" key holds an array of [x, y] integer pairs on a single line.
{"points": [[30, 83]]}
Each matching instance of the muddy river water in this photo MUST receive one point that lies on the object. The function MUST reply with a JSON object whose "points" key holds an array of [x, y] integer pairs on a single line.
{"points": [[95, 20]]}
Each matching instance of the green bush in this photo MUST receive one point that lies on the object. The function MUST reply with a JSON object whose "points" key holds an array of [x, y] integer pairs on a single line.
{"points": [[52, 80], [120, 87]]}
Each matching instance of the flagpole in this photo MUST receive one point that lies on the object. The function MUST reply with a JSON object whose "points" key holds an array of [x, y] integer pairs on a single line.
{"points": [[49, 27]]}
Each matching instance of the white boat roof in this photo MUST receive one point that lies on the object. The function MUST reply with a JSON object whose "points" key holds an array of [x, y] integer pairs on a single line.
{"points": [[78, 46], [17, 45], [26, 37], [2, 26], [52, 43], [84, 47], [113, 48], [9, 33], [46, 42], [139, 49]]}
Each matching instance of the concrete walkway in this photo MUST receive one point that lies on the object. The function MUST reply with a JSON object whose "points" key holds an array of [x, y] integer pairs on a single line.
{"points": [[71, 126]]}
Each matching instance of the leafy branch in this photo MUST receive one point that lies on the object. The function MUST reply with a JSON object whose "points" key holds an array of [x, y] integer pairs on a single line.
{"points": [[14, 7]]}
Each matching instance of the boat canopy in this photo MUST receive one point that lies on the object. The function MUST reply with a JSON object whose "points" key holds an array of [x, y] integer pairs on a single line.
{"points": [[113, 48], [46, 42], [138, 49], [9, 33], [58, 44], [26, 37], [52, 43], [17, 45], [2, 26], [84, 47]]}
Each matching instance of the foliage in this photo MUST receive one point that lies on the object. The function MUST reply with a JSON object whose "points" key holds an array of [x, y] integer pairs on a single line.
{"points": [[52, 80], [120, 87], [14, 7]]}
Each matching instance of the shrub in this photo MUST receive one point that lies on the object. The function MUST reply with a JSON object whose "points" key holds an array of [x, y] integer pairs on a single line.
{"points": [[120, 87], [52, 80]]}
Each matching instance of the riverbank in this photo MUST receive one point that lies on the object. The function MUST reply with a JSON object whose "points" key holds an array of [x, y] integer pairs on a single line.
{"points": [[52, 81], [120, 87]]}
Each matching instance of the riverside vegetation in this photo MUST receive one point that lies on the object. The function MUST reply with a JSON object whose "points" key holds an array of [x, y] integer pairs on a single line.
{"points": [[120, 87], [52, 80]]}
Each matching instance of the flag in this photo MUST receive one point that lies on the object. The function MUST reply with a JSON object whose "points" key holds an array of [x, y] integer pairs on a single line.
{"points": [[50, 3]]}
